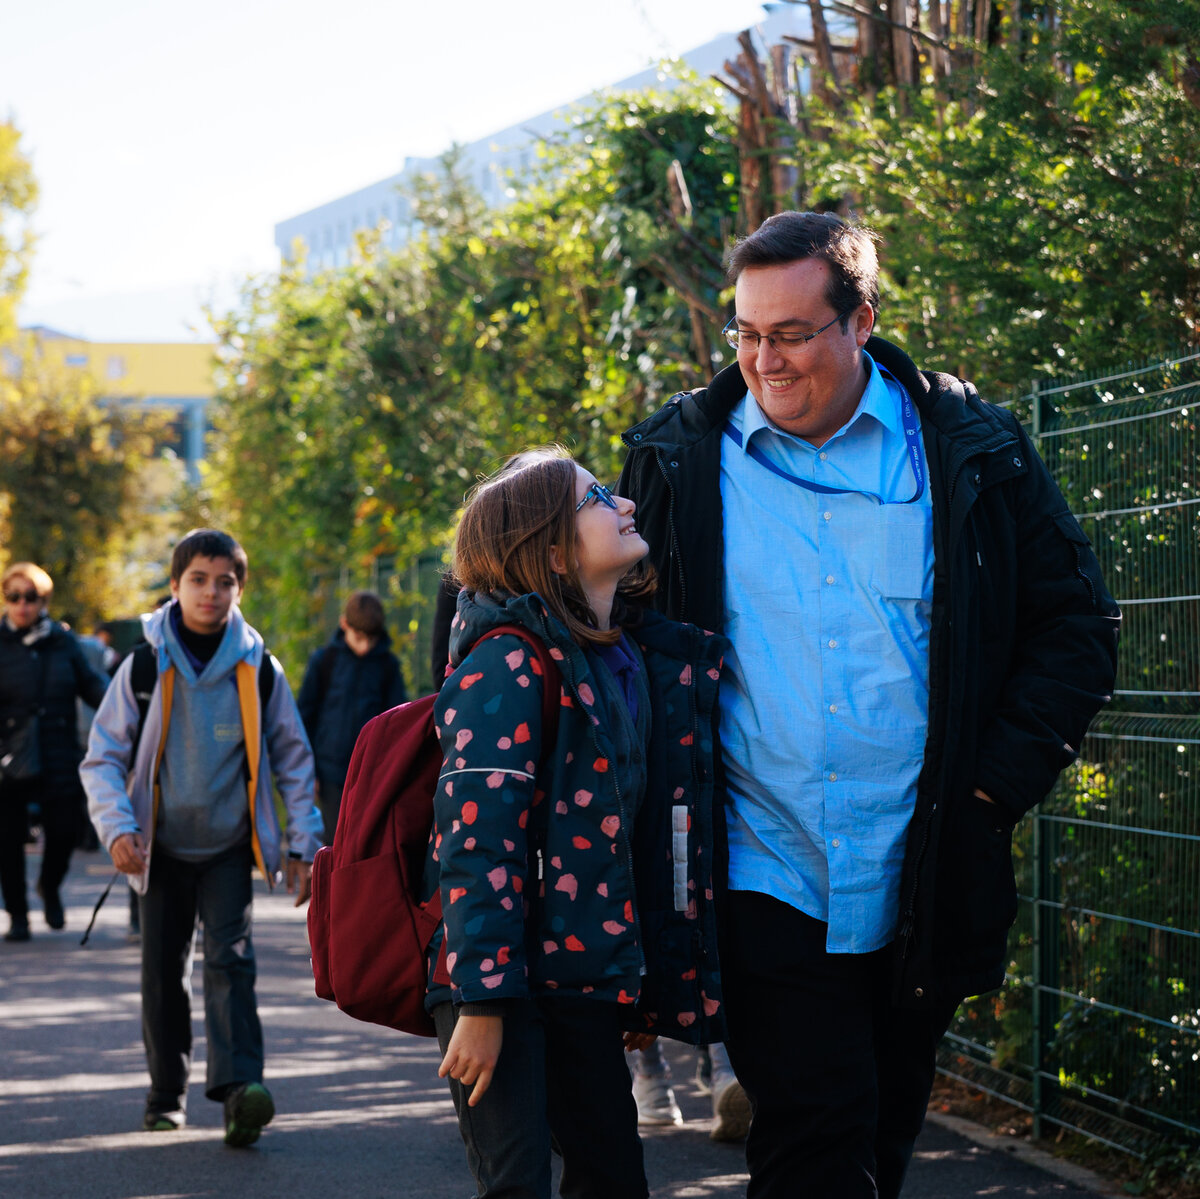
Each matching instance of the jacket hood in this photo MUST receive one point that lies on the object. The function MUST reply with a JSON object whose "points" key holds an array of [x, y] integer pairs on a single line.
{"points": [[240, 643], [480, 612]]}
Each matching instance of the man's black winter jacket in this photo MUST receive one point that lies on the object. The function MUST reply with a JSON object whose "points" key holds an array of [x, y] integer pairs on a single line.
{"points": [[1022, 645]]}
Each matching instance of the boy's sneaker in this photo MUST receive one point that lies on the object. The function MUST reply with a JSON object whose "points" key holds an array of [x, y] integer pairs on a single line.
{"points": [[731, 1108], [248, 1109], [158, 1119], [655, 1100]]}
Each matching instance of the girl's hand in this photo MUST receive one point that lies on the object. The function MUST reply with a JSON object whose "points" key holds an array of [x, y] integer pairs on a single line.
{"points": [[638, 1040], [473, 1052]]}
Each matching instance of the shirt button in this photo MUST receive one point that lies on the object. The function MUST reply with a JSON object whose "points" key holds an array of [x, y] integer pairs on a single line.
{"points": [[822, 455], [827, 515], [833, 707], [833, 779], [835, 843], [829, 578], [833, 645]]}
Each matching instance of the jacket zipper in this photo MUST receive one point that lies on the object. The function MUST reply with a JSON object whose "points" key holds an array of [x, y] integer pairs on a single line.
{"points": [[569, 677], [675, 555]]}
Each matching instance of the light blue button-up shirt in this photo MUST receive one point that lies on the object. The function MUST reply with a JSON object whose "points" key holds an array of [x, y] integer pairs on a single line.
{"points": [[825, 704]]}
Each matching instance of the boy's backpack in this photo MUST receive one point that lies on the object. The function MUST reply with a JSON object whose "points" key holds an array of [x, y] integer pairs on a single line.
{"points": [[368, 929], [143, 675]]}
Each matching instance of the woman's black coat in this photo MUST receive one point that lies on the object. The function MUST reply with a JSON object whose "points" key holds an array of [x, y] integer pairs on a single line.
{"points": [[67, 676]]}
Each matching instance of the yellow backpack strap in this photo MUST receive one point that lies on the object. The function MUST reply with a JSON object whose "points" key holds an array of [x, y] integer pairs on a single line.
{"points": [[247, 685], [166, 685]]}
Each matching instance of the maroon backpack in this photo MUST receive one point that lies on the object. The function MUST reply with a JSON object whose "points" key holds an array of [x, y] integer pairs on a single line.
{"points": [[368, 929]]}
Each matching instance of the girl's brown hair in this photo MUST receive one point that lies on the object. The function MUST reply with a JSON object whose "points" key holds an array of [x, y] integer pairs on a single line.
{"points": [[503, 544]]}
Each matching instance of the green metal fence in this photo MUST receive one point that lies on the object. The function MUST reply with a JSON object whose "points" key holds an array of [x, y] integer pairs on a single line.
{"points": [[1098, 1026]]}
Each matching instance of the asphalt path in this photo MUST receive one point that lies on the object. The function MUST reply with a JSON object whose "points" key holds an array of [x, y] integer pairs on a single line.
{"points": [[361, 1113]]}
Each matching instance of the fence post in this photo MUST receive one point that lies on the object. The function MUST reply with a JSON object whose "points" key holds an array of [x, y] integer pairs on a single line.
{"points": [[1047, 983], [1039, 933]]}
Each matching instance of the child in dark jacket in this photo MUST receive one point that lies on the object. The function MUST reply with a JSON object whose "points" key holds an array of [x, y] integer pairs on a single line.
{"points": [[574, 861], [347, 682]]}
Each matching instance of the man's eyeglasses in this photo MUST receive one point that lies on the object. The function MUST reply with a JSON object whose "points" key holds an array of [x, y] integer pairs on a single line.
{"points": [[600, 494], [779, 342], [15, 597]]}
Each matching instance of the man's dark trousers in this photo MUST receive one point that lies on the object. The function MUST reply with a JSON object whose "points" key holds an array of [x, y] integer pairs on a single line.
{"points": [[839, 1078], [217, 890]]}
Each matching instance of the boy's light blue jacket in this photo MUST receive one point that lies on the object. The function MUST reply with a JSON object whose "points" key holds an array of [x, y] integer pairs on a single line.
{"points": [[121, 794]]}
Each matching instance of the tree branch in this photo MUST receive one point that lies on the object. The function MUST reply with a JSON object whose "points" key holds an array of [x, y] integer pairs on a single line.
{"points": [[857, 10]]}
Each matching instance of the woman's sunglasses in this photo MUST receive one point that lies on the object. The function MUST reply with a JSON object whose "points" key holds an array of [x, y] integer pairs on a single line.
{"points": [[15, 597], [600, 494]]}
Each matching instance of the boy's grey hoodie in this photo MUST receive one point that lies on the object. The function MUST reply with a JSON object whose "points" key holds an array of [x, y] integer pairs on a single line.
{"points": [[204, 805]]}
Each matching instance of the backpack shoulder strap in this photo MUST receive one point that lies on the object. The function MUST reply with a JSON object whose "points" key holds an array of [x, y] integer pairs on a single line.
{"points": [[551, 678], [268, 668], [143, 674]]}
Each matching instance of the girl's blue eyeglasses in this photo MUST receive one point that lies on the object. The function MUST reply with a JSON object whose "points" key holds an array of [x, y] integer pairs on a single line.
{"points": [[600, 494]]}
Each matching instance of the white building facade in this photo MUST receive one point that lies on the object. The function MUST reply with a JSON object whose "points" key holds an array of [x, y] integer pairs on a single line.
{"points": [[326, 234]]}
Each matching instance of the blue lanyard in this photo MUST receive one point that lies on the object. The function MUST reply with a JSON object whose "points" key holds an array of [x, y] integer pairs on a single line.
{"points": [[912, 438]]}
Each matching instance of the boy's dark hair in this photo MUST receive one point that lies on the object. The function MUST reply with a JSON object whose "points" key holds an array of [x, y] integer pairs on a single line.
{"points": [[208, 543], [364, 613], [849, 251]]}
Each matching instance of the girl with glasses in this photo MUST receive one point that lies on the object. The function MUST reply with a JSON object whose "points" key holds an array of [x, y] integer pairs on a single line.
{"points": [[574, 855]]}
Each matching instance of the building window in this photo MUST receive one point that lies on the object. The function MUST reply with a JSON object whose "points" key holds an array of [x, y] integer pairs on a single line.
{"points": [[76, 360], [116, 367]]}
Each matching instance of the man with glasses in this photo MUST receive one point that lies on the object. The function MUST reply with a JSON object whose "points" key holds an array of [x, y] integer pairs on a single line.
{"points": [[921, 636]]}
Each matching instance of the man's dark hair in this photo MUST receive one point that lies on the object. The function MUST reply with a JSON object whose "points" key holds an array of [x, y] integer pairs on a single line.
{"points": [[364, 613], [208, 543], [792, 236]]}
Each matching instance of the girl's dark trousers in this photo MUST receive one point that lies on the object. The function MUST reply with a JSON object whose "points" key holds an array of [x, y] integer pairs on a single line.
{"points": [[562, 1082]]}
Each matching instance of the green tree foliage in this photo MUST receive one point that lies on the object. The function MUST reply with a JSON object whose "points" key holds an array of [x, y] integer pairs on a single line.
{"points": [[18, 194], [73, 492], [1040, 207], [359, 406]]}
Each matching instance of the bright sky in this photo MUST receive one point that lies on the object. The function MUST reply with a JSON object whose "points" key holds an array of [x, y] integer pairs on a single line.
{"points": [[168, 139]]}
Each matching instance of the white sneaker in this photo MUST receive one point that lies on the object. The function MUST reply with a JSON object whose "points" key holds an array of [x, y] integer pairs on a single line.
{"points": [[731, 1109], [655, 1100]]}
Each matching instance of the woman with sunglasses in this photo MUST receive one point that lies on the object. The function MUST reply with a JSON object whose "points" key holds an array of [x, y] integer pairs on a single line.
{"points": [[42, 671], [573, 856]]}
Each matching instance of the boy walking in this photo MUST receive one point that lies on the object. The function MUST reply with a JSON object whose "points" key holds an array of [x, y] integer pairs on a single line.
{"points": [[184, 804], [348, 682]]}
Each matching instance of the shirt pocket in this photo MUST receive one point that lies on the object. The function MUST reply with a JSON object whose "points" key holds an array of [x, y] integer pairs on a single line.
{"points": [[903, 564]]}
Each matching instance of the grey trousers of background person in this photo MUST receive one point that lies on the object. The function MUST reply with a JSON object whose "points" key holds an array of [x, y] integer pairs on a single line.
{"points": [[218, 891]]}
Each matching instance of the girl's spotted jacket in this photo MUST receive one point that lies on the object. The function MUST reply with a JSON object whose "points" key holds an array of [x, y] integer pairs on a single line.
{"points": [[545, 884]]}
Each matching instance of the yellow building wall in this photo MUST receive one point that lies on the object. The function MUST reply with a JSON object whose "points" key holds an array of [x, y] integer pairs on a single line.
{"points": [[137, 369]]}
